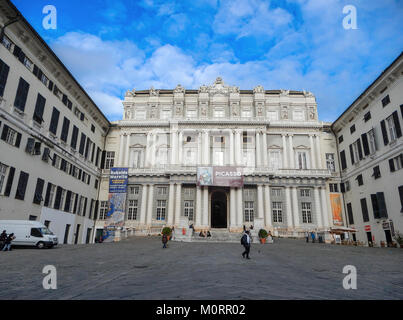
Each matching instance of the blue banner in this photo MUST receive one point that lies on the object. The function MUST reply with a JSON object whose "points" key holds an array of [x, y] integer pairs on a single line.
{"points": [[118, 180]]}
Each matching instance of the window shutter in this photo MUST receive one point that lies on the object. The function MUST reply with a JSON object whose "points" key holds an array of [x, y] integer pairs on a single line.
{"points": [[21, 95], [350, 214], [54, 159], [351, 154], [10, 180], [85, 207], [401, 110], [74, 136], [58, 198], [30, 145], [365, 143], [392, 165], [93, 153], [87, 146], [359, 148], [364, 210], [401, 197], [397, 124], [384, 133], [17, 51], [54, 121], [18, 140], [40, 74], [50, 86], [97, 157], [4, 133], [375, 206], [67, 204], [46, 153], [47, 194], [22, 185], [75, 204], [103, 159], [383, 212], [342, 187], [82, 144], [38, 191], [65, 129], [4, 70], [39, 108], [96, 210], [36, 70]]}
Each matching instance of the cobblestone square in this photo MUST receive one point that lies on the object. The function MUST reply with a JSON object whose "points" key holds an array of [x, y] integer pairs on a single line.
{"points": [[138, 268]]}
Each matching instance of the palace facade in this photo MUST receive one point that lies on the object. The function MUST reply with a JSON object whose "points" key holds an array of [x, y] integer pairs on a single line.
{"points": [[288, 160]]}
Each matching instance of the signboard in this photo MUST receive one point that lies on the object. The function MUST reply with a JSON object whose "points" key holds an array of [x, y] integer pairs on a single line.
{"points": [[118, 180], [385, 225], [220, 176], [335, 203], [367, 228]]}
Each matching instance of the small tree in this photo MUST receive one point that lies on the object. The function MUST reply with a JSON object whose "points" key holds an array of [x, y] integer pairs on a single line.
{"points": [[262, 234], [167, 231]]}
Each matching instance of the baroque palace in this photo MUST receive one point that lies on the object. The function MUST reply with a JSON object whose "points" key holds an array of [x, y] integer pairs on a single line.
{"points": [[268, 160]]}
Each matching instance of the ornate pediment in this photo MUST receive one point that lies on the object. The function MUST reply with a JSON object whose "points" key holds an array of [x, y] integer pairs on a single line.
{"points": [[218, 88], [153, 92]]}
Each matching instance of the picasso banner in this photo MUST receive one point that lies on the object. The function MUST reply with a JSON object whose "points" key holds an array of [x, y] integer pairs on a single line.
{"points": [[335, 203], [220, 176]]}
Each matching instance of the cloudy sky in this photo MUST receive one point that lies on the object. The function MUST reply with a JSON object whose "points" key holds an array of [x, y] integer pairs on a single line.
{"points": [[111, 46]]}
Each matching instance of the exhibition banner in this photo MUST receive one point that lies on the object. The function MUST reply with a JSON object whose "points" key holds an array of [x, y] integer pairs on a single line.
{"points": [[118, 180], [220, 176], [335, 202]]}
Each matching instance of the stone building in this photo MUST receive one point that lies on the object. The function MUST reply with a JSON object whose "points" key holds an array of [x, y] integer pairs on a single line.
{"points": [[286, 158], [370, 145], [52, 136]]}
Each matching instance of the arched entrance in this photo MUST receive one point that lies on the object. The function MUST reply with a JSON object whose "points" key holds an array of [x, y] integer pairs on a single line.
{"points": [[219, 210]]}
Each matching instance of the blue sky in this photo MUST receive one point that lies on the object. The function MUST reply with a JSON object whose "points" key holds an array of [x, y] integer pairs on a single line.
{"points": [[111, 46]]}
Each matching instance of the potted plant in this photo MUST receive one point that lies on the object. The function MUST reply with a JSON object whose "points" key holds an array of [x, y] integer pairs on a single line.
{"points": [[399, 239], [167, 231], [382, 244], [262, 235]]}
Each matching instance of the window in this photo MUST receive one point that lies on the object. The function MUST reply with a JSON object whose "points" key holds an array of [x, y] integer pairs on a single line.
{"points": [[3, 175], [277, 208], [396, 163], [352, 128], [356, 151], [272, 115], [347, 184], [369, 142], [330, 162], [137, 158], [249, 211], [82, 144], [219, 158], [274, 159], [141, 114], [301, 158], [93, 128], [190, 157], [166, 114], [379, 205], [39, 108], [305, 192], [65, 129], [364, 210], [22, 185], [219, 113], [377, 172], [74, 136], [219, 139], [134, 190], [367, 116], [162, 157], [360, 180], [103, 210], [298, 115], [132, 211], [22, 94], [350, 214], [11, 136], [248, 158], [391, 128], [54, 121], [38, 191], [385, 101], [162, 191], [341, 139], [343, 160], [333, 187], [109, 159], [6, 42], [188, 192], [276, 192], [189, 209], [306, 212], [161, 208], [28, 63], [400, 195], [4, 70]]}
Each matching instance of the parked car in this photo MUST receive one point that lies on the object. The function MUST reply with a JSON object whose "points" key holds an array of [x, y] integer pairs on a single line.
{"points": [[29, 233]]}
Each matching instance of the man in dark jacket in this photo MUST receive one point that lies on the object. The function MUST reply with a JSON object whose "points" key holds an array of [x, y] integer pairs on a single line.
{"points": [[3, 238], [7, 246], [164, 240], [246, 243]]}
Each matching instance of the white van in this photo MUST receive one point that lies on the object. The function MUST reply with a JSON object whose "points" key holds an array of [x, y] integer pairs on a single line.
{"points": [[29, 233]]}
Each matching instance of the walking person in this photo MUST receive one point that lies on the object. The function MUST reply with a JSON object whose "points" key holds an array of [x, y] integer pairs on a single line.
{"points": [[164, 241], [9, 240], [3, 238], [245, 241], [313, 236], [307, 236]]}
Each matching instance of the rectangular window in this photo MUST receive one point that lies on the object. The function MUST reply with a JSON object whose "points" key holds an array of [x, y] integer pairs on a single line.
{"points": [[109, 159], [11, 136], [277, 209], [371, 141], [162, 191], [141, 114], [350, 214], [39, 108], [191, 113], [276, 192], [65, 129], [246, 113], [385, 101], [364, 210], [3, 175], [306, 212], [134, 190], [189, 209], [367, 116], [377, 172], [21, 95], [352, 128], [360, 180], [219, 113], [4, 70], [391, 128], [165, 114], [38, 191], [22, 185], [400, 195], [74, 137], [103, 210], [275, 159], [161, 208], [298, 115], [302, 163], [82, 143], [343, 160], [132, 210], [219, 158], [249, 211], [54, 121], [330, 162], [305, 192], [341, 139]]}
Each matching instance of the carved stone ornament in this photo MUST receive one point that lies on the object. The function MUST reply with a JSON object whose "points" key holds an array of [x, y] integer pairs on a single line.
{"points": [[260, 111], [153, 113], [284, 92], [235, 110], [131, 93], [218, 88], [203, 89], [179, 89], [153, 92], [203, 111], [312, 113], [284, 113], [307, 94], [258, 89], [128, 114]]}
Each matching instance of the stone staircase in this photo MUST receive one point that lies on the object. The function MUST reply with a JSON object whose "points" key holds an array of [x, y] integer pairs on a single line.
{"points": [[217, 235]]}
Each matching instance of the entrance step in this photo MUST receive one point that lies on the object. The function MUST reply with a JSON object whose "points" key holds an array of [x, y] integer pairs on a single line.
{"points": [[217, 235]]}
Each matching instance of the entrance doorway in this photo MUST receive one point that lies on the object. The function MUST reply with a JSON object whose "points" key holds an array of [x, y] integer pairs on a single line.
{"points": [[388, 236], [369, 238], [219, 210], [77, 233]]}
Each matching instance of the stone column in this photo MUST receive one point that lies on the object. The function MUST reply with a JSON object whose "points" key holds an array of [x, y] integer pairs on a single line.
{"points": [[205, 207], [153, 149], [325, 213], [232, 209], [267, 202], [148, 160], [288, 207], [121, 148], [285, 152], [127, 149], [200, 148], [150, 203], [295, 207], [313, 158], [171, 200], [198, 207], [260, 204], [318, 153], [258, 150], [240, 207], [207, 155], [318, 207], [265, 163], [291, 152], [178, 204], [231, 147], [143, 210], [237, 154], [174, 147], [180, 148]]}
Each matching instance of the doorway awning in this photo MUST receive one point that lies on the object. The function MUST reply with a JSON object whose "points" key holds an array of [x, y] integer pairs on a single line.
{"points": [[342, 229]]}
